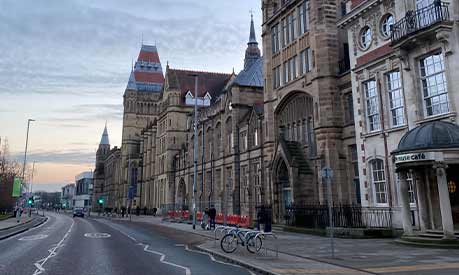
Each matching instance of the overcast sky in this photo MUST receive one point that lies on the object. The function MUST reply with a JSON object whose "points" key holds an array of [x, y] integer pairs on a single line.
{"points": [[66, 64]]}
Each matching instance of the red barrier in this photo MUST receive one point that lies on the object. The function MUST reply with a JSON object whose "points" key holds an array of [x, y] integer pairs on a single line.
{"points": [[244, 221], [178, 214], [170, 214], [199, 216], [229, 219], [186, 214], [219, 219]]}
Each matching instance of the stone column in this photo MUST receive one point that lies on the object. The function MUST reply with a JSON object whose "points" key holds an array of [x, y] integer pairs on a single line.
{"points": [[445, 204], [405, 203], [421, 200]]}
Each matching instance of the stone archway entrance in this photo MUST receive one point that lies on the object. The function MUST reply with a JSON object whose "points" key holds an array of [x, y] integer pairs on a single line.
{"points": [[283, 192], [181, 195]]}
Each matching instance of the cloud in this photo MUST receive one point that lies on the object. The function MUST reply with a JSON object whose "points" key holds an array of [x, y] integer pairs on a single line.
{"points": [[72, 45], [61, 157]]}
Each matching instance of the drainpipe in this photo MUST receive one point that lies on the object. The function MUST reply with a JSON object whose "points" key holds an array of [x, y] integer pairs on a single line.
{"points": [[386, 149]]}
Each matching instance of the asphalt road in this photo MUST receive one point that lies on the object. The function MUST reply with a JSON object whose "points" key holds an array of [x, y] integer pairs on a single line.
{"points": [[64, 245]]}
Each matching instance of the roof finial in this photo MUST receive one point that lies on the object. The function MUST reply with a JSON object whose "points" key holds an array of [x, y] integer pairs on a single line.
{"points": [[141, 41], [132, 64], [252, 38]]}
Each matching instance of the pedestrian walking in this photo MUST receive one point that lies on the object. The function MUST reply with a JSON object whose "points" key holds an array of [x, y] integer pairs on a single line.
{"points": [[205, 219], [18, 214], [123, 211], [212, 215], [154, 211]]}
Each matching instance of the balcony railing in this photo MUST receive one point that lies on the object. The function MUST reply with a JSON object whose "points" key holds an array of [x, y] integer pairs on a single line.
{"points": [[420, 19]]}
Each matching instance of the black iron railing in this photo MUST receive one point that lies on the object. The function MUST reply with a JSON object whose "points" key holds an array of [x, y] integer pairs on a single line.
{"points": [[420, 19], [346, 216]]}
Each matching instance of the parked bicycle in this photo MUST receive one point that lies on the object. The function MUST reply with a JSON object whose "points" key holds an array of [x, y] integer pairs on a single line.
{"points": [[236, 237]]}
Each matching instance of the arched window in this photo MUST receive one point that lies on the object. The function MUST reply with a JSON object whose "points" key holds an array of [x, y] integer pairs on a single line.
{"points": [[218, 140], [378, 177]]}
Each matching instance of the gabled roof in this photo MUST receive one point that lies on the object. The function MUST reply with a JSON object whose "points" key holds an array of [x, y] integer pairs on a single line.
{"points": [[148, 53], [208, 82], [147, 71], [252, 76]]}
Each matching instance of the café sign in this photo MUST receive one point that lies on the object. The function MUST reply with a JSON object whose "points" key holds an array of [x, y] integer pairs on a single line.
{"points": [[421, 156]]}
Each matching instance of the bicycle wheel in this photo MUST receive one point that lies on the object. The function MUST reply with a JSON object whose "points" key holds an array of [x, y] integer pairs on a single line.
{"points": [[254, 244], [229, 243]]}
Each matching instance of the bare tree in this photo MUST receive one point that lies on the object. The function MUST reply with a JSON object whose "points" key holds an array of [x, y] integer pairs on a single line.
{"points": [[8, 167]]}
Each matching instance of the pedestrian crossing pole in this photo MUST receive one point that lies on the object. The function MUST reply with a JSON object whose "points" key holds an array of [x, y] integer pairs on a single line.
{"points": [[327, 174]]}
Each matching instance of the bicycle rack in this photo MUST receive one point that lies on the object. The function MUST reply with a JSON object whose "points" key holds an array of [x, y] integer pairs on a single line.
{"points": [[267, 234], [221, 229]]}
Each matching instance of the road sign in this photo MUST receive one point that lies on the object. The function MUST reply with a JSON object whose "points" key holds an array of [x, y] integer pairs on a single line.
{"points": [[327, 173]]}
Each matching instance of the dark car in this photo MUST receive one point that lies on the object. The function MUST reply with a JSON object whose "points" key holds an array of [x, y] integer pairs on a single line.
{"points": [[78, 212]]}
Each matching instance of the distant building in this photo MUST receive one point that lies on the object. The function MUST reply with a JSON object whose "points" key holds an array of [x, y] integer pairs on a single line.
{"points": [[106, 174], [83, 190], [68, 193]]}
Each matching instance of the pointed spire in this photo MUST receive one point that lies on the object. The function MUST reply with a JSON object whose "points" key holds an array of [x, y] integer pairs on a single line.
{"points": [[252, 53], [252, 38], [104, 140]]}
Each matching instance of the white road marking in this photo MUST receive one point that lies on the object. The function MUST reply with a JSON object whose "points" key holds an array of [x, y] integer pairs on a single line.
{"points": [[146, 246], [163, 259], [52, 252], [33, 237], [215, 260], [97, 235]]}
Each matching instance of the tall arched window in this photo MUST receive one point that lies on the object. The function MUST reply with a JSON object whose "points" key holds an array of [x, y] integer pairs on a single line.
{"points": [[218, 140], [379, 181]]}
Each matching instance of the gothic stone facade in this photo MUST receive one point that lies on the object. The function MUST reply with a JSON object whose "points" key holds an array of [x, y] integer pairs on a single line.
{"points": [[308, 120]]}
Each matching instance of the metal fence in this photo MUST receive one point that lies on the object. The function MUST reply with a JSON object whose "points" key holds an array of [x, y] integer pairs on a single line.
{"points": [[346, 216], [420, 19]]}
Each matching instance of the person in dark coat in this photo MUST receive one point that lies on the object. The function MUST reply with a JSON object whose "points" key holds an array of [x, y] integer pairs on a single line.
{"points": [[212, 215]]}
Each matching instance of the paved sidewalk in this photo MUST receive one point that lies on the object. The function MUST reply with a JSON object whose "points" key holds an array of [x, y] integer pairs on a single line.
{"points": [[11, 222], [310, 254]]}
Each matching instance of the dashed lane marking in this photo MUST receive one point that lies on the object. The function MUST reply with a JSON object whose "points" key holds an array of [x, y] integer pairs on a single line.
{"points": [[33, 237], [97, 235], [52, 252]]}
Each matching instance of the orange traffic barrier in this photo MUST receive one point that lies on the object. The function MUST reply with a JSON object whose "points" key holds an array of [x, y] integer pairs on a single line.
{"points": [[219, 218], [244, 221], [186, 214], [199, 216]]}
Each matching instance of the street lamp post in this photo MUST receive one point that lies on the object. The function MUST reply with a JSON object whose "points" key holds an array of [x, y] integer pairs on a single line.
{"points": [[25, 152], [203, 102]]}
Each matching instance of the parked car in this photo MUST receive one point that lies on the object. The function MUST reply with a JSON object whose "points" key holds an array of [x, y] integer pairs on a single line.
{"points": [[78, 212]]}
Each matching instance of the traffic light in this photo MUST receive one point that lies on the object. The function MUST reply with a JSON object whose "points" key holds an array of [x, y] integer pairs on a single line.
{"points": [[30, 201], [101, 201]]}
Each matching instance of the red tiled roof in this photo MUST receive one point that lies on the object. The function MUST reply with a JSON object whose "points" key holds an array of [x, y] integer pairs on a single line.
{"points": [[148, 56], [210, 82], [151, 77]]}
